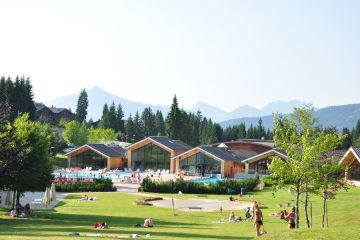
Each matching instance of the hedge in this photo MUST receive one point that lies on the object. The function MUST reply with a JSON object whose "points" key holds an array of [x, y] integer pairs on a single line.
{"points": [[98, 185], [226, 186]]}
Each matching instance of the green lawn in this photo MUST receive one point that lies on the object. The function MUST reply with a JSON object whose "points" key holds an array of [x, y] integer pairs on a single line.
{"points": [[118, 210]]}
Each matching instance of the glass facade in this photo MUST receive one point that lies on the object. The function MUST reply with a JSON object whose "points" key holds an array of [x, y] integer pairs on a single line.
{"points": [[354, 171], [88, 159], [260, 167], [150, 157], [200, 164]]}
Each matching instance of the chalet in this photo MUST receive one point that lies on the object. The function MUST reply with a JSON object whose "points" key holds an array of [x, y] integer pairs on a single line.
{"points": [[351, 162], [155, 152], [53, 115], [97, 156], [225, 158]]}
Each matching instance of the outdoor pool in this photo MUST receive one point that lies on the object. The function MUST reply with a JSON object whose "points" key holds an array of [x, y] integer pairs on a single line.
{"points": [[110, 175], [207, 180]]}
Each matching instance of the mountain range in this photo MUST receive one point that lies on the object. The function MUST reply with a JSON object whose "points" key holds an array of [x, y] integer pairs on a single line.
{"points": [[334, 116], [98, 97], [338, 116]]}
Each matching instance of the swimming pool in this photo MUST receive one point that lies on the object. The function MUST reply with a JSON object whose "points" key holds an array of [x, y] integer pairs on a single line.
{"points": [[110, 175], [207, 180]]}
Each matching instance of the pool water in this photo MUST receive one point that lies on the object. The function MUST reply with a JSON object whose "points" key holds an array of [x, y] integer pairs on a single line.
{"points": [[207, 180], [94, 175]]}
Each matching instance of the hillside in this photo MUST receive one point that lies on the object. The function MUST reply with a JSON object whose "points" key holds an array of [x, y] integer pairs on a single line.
{"points": [[338, 116]]}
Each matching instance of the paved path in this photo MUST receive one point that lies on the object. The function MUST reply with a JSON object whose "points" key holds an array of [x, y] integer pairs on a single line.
{"points": [[29, 197], [204, 204]]}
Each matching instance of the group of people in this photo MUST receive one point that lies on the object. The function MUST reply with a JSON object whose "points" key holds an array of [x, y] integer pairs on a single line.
{"points": [[101, 225], [21, 212], [148, 222], [87, 198]]}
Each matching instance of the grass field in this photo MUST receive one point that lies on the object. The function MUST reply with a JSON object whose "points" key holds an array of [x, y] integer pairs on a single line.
{"points": [[118, 210]]}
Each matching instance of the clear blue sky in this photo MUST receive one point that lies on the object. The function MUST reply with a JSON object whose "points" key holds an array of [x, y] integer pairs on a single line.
{"points": [[225, 53]]}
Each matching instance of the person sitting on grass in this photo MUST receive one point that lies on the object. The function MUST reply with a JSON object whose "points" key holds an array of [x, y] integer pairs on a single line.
{"points": [[232, 217], [148, 222], [86, 197]]}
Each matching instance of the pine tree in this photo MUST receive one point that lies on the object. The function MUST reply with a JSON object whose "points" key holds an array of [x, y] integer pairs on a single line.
{"points": [[250, 132], [138, 127], [346, 142], [120, 119], [112, 117], [82, 105], [105, 109], [260, 130], [148, 120], [130, 129], [28, 104], [173, 121], [159, 123], [242, 131]]}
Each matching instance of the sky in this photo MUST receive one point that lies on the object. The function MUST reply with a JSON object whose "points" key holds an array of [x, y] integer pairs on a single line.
{"points": [[225, 53]]}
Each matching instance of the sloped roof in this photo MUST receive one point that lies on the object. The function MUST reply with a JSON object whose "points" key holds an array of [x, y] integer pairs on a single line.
{"points": [[220, 153], [357, 150], [266, 154], [103, 150], [52, 109], [57, 110], [171, 144], [245, 153]]}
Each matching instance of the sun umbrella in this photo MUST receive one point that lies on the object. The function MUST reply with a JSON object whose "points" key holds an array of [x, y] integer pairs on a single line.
{"points": [[9, 198], [53, 192], [46, 198]]}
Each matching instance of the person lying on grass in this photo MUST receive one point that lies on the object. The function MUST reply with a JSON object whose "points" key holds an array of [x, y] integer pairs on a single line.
{"points": [[101, 225]]}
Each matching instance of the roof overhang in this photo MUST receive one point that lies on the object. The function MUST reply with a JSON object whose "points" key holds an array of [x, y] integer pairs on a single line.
{"points": [[144, 142], [263, 155], [71, 153], [344, 160], [197, 150]]}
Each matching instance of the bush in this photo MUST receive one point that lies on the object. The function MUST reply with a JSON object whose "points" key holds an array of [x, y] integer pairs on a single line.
{"points": [[220, 187], [98, 185], [269, 181]]}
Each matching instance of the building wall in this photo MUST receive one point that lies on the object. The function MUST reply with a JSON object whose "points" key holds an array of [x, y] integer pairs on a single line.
{"points": [[231, 168]]}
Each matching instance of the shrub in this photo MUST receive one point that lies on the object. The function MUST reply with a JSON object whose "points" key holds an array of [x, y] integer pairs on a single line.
{"points": [[220, 187], [98, 185], [269, 181]]}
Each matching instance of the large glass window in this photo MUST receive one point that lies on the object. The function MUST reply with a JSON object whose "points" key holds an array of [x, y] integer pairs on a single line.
{"points": [[150, 157], [200, 164], [354, 170], [88, 159], [260, 167]]}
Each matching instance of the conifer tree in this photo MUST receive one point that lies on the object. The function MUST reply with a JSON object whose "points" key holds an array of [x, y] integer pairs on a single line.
{"points": [[82, 106], [120, 119], [173, 121], [138, 127], [347, 141], [148, 120], [129, 129], [159, 123], [242, 131]]}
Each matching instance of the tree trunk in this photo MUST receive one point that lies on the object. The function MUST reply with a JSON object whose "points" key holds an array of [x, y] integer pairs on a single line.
{"points": [[311, 221], [14, 200], [324, 210], [306, 209], [17, 198], [327, 215], [297, 204]]}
